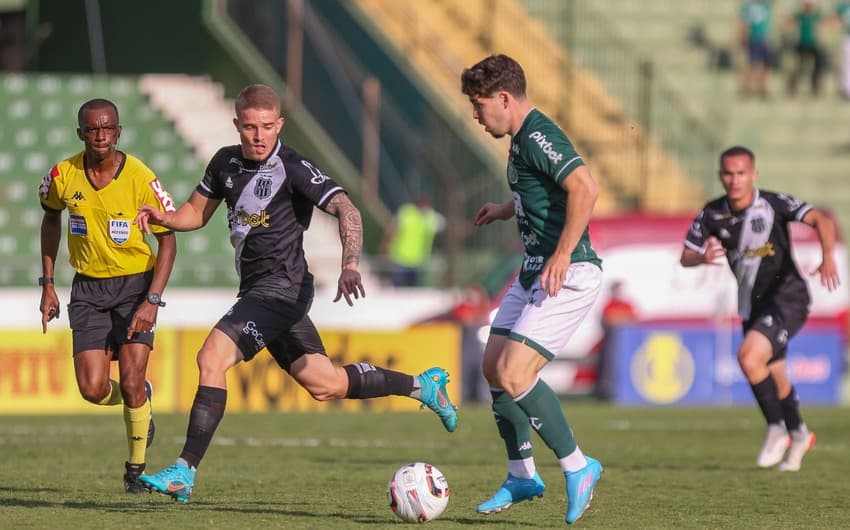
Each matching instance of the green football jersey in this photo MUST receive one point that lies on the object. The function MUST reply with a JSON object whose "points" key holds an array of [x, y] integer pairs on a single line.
{"points": [[541, 157]]}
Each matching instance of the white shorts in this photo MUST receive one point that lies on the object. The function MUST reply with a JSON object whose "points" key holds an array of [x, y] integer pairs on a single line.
{"points": [[544, 323]]}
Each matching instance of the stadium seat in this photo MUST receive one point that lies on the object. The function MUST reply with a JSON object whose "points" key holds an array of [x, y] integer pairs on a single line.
{"points": [[37, 129]]}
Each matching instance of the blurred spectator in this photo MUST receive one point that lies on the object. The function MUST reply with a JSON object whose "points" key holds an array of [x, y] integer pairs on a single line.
{"points": [[618, 310], [409, 240], [471, 313], [811, 56], [13, 41], [842, 13], [754, 22]]}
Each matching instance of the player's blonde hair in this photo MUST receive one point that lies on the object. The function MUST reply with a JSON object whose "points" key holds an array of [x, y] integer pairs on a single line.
{"points": [[257, 97]]}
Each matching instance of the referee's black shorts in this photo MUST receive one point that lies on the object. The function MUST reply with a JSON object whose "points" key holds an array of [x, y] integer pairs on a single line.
{"points": [[102, 309]]}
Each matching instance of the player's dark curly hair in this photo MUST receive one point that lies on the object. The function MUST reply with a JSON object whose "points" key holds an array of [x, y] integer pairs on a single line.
{"points": [[493, 74]]}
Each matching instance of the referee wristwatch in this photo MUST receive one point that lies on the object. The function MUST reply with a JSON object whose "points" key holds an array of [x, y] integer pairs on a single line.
{"points": [[44, 280], [153, 298]]}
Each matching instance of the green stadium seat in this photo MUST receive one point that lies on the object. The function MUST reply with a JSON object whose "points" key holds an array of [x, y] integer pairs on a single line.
{"points": [[37, 129]]}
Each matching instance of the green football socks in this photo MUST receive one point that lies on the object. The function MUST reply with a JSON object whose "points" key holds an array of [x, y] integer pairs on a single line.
{"points": [[512, 424], [543, 409]]}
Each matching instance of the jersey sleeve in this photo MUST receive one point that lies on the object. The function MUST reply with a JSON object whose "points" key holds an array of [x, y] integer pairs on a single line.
{"points": [[698, 233], [308, 180], [549, 151], [154, 193], [210, 185], [48, 190], [788, 208]]}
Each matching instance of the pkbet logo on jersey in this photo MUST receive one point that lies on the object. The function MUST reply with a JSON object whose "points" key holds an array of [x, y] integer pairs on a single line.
{"points": [[697, 365]]}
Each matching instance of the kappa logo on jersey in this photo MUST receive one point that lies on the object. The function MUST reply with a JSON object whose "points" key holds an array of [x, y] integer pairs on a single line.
{"points": [[163, 196], [782, 336], [263, 188], [724, 234], [44, 187], [515, 148], [228, 183], [253, 220], [526, 446], [119, 230], [318, 176], [546, 146], [78, 196], [757, 224], [767, 321]]}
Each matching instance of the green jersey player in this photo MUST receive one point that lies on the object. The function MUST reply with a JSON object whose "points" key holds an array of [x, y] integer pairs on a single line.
{"points": [[553, 198]]}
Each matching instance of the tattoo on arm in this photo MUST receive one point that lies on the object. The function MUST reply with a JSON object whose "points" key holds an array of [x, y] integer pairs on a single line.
{"points": [[350, 227]]}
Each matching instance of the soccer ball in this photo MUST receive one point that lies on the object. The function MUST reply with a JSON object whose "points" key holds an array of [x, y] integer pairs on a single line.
{"points": [[418, 492]]}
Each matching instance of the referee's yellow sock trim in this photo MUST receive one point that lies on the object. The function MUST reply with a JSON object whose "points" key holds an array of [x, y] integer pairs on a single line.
{"points": [[137, 421], [114, 396]]}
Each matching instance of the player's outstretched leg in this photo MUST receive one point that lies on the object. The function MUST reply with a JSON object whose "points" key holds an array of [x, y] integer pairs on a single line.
{"points": [[176, 481], [132, 484], [151, 426], [776, 441], [801, 441], [512, 491], [580, 486], [434, 396]]}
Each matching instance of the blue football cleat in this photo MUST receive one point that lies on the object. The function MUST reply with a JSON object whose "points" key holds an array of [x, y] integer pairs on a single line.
{"points": [[151, 426], [513, 490], [176, 481], [434, 396], [580, 486]]}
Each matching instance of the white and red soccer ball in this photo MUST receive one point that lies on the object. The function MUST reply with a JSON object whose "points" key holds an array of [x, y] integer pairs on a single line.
{"points": [[418, 492]]}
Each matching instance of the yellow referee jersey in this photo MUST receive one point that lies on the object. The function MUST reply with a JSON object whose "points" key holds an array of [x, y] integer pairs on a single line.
{"points": [[102, 240]]}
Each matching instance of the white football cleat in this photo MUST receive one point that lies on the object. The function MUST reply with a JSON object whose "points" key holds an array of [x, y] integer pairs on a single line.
{"points": [[801, 443], [776, 442]]}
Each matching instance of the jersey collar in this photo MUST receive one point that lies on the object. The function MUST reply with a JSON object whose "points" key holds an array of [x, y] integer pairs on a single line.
{"points": [[729, 208], [524, 120]]}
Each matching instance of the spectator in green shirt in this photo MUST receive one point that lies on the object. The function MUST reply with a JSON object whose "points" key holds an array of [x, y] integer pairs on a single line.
{"points": [[842, 13], [810, 55], [754, 21]]}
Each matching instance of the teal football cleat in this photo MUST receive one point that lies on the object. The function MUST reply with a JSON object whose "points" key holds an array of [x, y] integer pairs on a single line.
{"points": [[151, 426], [176, 481], [513, 490], [580, 486], [434, 396]]}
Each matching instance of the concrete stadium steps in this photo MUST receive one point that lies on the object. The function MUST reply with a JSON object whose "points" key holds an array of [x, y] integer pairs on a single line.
{"points": [[39, 118], [436, 38], [802, 145]]}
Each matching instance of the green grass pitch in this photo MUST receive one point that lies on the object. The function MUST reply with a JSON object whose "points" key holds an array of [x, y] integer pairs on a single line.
{"points": [[664, 468]]}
